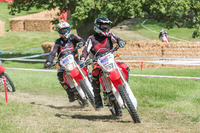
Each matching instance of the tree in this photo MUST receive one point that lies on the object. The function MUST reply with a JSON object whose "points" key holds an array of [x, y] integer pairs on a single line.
{"points": [[178, 12], [182, 13]]}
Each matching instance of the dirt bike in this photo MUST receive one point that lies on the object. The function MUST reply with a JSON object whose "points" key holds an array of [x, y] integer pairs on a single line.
{"points": [[165, 38], [77, 78], [115, 87], [9, 84]]}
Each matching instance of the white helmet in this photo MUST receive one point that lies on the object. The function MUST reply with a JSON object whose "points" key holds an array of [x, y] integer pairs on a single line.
{"points": [[64, 30], [162, 31]]}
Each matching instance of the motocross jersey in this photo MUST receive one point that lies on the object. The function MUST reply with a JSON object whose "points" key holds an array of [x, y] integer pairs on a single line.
{"points": [[161, 34], [60, 46], [96, 42]]}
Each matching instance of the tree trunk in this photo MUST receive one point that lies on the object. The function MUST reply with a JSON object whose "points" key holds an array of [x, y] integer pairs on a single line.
{"points": [[86, 30]]}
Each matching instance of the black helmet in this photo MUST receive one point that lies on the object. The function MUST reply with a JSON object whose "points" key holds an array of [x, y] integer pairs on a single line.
{"points": [[102, 26]]}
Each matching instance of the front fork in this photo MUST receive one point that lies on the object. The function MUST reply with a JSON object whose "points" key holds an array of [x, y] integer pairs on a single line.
{"points": [[73, 84], [108, 87], [117, 78]]}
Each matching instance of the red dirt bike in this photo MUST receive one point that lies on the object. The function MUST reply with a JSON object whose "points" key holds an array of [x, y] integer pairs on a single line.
{"points": [[77, 78], [165, 38], [114, 84], [9, 84]]}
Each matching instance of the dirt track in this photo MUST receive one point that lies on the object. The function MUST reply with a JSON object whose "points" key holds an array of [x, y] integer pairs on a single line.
{"points": [[62, 116]]}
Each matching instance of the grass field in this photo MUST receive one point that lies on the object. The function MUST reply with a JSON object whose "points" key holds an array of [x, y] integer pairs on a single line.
{"points": [[41, 105]]}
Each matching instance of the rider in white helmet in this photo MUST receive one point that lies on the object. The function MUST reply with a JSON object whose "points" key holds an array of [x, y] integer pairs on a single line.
{"points": [[67, 41], [162, 32]]}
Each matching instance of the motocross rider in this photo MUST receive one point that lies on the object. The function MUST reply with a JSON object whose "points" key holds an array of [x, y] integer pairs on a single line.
{"points": [[67, 41], [162, 32], [101, 39]]}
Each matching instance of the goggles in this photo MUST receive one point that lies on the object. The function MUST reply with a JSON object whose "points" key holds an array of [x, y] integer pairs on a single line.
{"points": [[64, 30], [105, 27]]}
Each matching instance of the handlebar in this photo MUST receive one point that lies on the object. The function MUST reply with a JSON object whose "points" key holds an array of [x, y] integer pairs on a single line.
{"points": [[115, 49], [80, 44], [112, 50]]}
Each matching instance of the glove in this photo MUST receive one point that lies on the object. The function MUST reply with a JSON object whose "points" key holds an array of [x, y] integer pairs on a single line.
{"points": [[82, 63], [122, 44], [48, 65], [80, 44]]}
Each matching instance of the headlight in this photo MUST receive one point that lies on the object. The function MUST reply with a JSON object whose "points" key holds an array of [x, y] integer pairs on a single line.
{"points": [[70, 66], [109, 66]]}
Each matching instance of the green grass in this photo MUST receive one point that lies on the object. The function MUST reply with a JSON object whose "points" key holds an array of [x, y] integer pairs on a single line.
{"points": [[174, 95], [36, 82], [181, 33], [168, 101]]}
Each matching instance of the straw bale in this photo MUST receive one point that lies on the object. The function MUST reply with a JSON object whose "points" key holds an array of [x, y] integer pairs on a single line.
{"points": [[2, 28], [157, 49], [35, 22], [47, 46], [42, 25], [16, 25]]}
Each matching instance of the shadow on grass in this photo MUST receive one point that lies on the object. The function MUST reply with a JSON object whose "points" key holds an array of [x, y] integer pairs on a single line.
{"points": [[102, 118], [73, 107]]}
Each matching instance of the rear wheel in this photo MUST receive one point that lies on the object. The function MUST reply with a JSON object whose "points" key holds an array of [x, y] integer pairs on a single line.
{"points": [[129, 104], [9, 84], [87, 92]]}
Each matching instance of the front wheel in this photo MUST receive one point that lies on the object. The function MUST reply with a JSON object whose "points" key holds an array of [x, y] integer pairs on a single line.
{"points": [[9, 84], [129, 104], [87, 92]]}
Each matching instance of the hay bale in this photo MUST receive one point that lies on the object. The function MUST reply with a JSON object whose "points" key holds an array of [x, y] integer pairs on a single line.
{"points": [[35, 22], [17, 24], [47, 49], [156, 49], [2, 28], [42, 25]]}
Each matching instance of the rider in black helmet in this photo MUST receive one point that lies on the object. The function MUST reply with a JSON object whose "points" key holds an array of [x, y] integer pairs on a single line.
{"points": [[101, 39]]}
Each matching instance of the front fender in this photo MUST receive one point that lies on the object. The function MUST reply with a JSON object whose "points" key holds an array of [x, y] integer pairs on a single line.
{"points": [[2, 69], [114, 76], [76, 75]]}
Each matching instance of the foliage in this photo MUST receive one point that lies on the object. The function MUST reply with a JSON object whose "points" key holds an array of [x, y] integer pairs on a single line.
{"points": [[179, 12], [182, 13]]}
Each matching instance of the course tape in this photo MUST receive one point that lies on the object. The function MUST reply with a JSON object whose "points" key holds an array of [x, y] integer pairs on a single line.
{"points": [[134, 75], [20, 49], [196, 63], [159, 76], [173, 58], [20, 59], [27, 58], [158, 32], [38, 70], [34, 56]]}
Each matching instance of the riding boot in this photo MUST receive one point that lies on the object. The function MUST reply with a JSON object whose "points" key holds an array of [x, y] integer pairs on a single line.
{"points": [[69, 92], [97, 96], [119, 112]]}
